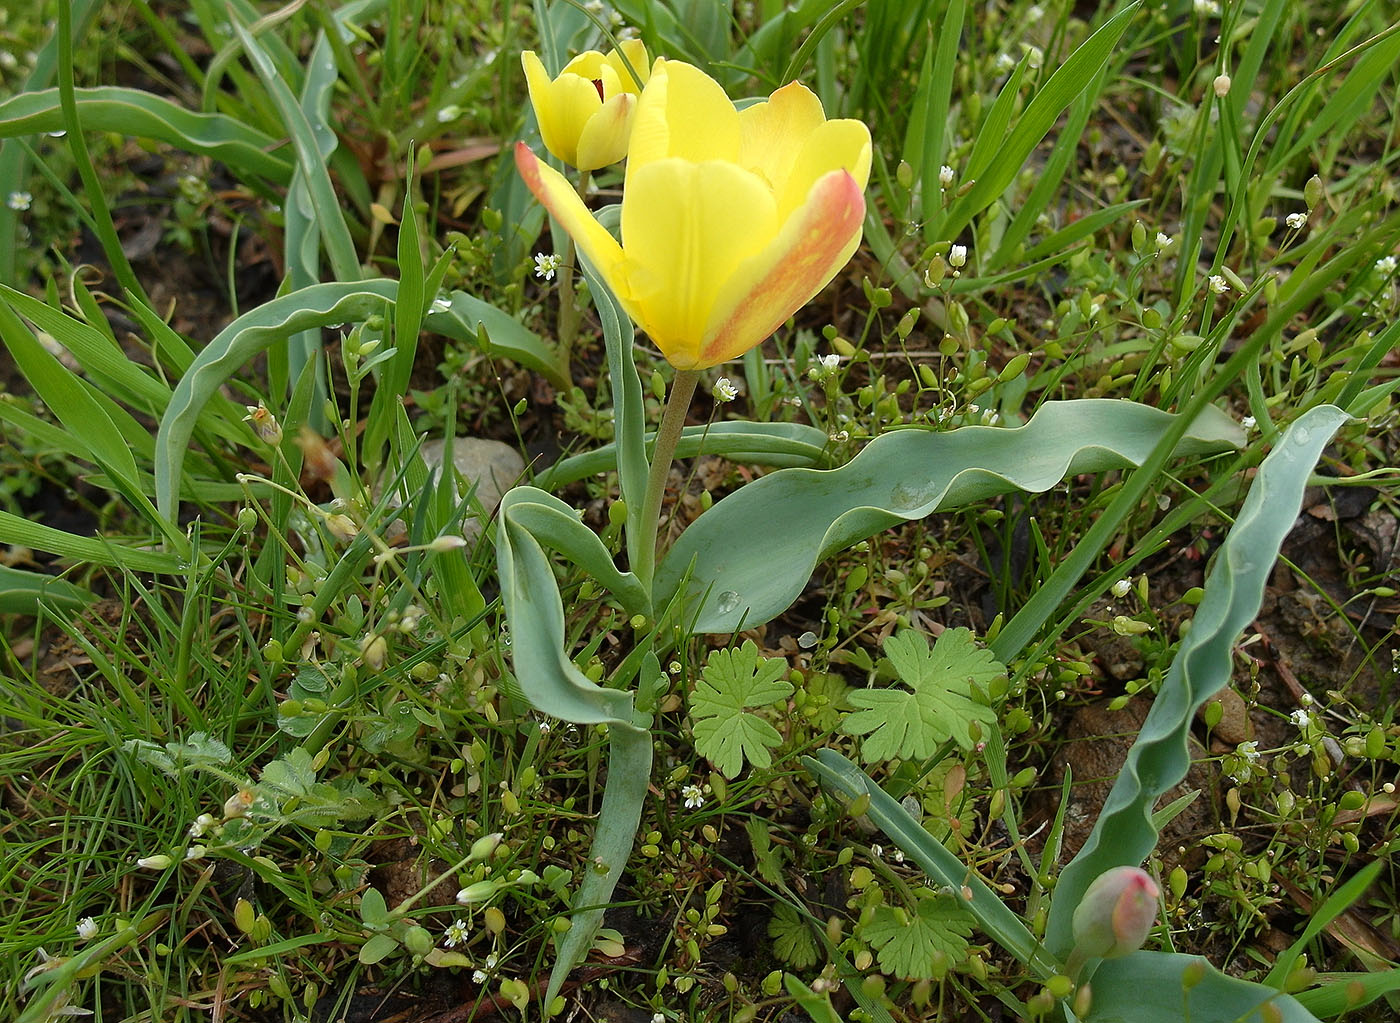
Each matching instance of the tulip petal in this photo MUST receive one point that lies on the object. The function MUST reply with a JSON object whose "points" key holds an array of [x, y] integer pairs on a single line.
{"points": [[559, 197], [683, 112], [813, 244], [686, 229], [773, 132], [843, 144], [636, 53], [562, 106], [604, 136]]}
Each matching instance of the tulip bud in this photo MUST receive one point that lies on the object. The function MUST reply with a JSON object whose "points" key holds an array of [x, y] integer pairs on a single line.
{"points": [[1116, 913]]}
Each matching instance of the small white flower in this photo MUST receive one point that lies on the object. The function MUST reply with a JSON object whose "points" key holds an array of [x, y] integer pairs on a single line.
{"points": [[545, 726], [1249, 752], [877, 851], [441, 304], [546, 263], [456, 933], [1164, 241], [1248, 422], [899, 855], [1208, 8], [1218, 284], [1301, 718], [201, 824], [957, 256], [1295, 220], [479, 976], [1386, 264], [87, 929], [594, 6], [945, 173], [195, 852], [658, 1017], [19, 201], [694, 798], [1306, 699], [1121, 587], [1035, 12], [1004, 62], [490, 961], [829, 363], [724, 390], [449, 113]]}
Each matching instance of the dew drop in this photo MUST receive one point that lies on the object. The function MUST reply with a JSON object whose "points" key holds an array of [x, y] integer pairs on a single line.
{"points": [[728, 601]]}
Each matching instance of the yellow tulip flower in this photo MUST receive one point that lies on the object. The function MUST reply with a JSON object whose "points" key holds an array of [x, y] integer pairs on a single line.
{"points": [[585, 114], [732, 220]]}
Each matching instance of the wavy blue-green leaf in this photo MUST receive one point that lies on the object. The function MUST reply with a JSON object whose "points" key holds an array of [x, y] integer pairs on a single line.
{"points": [[22, 593], [1234, 590], [321, 305], [553, 684], [993, 917], [556, 525], [312, 143], [745, 572], [1147, 987], [466, 316], [778, 444], [142, 115]]}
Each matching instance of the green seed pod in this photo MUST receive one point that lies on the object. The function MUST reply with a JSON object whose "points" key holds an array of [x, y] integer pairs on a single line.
{"points": [[1312, 192]]}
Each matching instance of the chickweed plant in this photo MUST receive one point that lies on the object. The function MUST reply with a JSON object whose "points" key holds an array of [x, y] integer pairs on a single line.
{"points": [[911, 397]]}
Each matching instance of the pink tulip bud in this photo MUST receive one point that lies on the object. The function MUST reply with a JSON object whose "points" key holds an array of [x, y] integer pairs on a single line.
{"points": [[1116, 914]]}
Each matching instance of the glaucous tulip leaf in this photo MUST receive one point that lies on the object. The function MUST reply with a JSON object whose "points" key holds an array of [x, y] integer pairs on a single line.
{"points": [[1234, 590], [1183, 987], [743, 572], [322, 305]]}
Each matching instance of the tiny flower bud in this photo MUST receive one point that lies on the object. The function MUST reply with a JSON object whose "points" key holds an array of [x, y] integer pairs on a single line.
{"points": [[1221, 85], [447, 542], [1116, 914], [372, 649], [342, 527], [957, 256], [483, 847], [264, 424], [159, 862], [945, 176], [476, 893]]}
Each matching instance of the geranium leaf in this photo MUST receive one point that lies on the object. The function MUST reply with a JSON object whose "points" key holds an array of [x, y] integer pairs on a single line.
{"points": [[945, 684], [921, 945], [732, 681]]}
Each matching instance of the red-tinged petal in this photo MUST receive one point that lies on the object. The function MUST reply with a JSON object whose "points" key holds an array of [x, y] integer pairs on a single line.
{"points": [[559, 197], [809, 250], [843, 144], [686, 229]]}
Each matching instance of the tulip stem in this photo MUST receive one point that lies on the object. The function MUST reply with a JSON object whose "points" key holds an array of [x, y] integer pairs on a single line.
{"points": [[668, 434], [569, 312]]}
